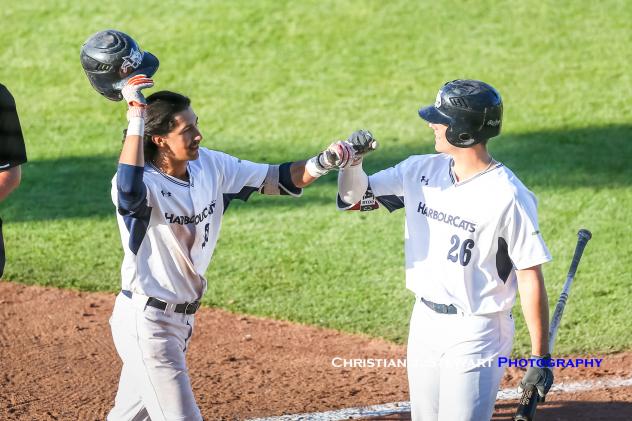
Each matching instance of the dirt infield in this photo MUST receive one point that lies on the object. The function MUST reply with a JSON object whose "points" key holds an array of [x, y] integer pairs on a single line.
{"points": [[58, 362]]}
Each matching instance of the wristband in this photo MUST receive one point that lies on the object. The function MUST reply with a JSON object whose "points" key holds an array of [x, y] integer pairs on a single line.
{"points": [[314, 167], [136, 126], [134, 111]]}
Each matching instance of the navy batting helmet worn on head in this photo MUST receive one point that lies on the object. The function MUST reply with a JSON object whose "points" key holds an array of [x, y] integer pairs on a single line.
{"points": [[472, 110], [111, 57]]}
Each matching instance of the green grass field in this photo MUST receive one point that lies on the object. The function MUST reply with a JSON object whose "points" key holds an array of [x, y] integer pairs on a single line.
{"points": [[275, 81]]}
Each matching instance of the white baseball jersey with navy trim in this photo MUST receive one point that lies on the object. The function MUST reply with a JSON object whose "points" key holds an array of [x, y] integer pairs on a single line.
{"points": [[169, 237], [463, 240]]}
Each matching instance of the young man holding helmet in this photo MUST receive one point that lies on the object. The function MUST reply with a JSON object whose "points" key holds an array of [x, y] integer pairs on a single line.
{"points": [[471, 241], [170, 194]]}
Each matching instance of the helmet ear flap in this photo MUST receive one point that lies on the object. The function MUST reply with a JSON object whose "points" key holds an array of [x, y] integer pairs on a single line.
{"points": [[460, 140]]}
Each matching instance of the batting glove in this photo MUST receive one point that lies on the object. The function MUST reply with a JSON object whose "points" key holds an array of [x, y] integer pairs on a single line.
{"points": [[338, 155], [539, 376], [132, 90], [362, 142]]}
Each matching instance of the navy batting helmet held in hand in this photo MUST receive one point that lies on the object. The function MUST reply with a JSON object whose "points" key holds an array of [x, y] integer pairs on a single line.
{"points": [[472, 110], [111, 57]]}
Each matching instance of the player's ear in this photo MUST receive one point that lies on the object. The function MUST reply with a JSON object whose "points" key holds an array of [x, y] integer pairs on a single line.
{"points": [[159, 141]]}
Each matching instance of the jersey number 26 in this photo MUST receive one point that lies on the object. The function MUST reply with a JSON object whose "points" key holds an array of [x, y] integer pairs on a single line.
{"points": [[464, 255]]}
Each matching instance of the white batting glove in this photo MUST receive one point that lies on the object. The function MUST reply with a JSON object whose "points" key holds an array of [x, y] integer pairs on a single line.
{"points": [[136, 103], [132, 90], [338, 155]]}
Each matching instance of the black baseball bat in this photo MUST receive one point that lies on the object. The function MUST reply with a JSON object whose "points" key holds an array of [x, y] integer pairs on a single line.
{"points": [[530, 398]]}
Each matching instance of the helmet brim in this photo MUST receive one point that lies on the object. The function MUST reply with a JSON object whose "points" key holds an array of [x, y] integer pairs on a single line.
{"points": [[148, 67], [432, 115]]}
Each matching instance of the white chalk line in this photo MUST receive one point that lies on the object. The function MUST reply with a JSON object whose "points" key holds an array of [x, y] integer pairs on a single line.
{"points": [[401, 407]]}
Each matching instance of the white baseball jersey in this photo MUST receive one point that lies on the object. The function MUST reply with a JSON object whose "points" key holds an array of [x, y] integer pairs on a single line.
{"points": [[463, 240], [169, 236]]}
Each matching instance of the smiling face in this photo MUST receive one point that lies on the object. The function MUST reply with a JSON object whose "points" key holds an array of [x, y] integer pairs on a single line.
{"points": [[182, 143]]}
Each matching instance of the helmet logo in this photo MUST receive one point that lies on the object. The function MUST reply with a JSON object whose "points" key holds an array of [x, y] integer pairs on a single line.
{"points": [[438, 100], [493, 123], [459, 102], [133, 60]]}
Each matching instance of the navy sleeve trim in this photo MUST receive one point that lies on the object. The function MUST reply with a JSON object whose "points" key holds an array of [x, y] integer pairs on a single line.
{"points": [[391, 202], [341, 203], [243, 194], [288, 188], [137, 225], [132, 192], [504, 265]]}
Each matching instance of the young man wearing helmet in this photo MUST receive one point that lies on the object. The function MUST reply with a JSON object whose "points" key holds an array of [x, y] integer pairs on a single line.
{"points": [[471, 241]]}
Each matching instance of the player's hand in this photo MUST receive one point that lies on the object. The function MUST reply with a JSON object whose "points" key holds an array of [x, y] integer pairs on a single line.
{"points": [[362, 142], [338, 155], [540, 376], [132, 90]]}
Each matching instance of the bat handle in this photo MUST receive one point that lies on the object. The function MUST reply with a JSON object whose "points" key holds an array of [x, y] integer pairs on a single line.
{"points": [[527, 405]]}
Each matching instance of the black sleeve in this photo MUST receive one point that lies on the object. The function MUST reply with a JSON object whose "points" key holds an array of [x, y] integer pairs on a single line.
{"points": [[286, 184], [12, 150]]}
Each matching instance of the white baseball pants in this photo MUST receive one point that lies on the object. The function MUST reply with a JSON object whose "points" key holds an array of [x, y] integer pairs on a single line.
{"points": [[452, 363], [154, 382]]}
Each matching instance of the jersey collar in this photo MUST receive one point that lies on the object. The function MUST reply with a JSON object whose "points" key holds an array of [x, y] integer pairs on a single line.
{"points": [[456, 183], [190, 183]]}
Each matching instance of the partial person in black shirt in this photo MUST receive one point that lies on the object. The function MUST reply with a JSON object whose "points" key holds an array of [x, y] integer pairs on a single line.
{"points": [[12, 153]]}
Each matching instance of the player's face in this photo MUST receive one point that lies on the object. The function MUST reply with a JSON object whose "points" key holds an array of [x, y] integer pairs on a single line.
{"points": [[441, 143], [184, 140]]}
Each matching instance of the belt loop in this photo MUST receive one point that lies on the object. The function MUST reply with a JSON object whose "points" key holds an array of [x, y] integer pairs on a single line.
{"points": [[169, 308], [186, 307]]}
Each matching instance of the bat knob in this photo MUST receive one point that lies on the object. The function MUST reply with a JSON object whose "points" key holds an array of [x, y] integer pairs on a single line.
{"points": [[584, 233]]}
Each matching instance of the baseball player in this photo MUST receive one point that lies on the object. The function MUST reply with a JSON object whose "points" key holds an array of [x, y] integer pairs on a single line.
{"points": [[170, 194], [12, 153], [471, 241]]}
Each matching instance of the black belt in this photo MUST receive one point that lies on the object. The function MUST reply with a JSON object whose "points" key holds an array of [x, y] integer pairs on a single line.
{"points": [[440, 308], [185, 308]]}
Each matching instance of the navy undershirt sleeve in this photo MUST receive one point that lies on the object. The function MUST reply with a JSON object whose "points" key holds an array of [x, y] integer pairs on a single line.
{"points": [[132, 192]]}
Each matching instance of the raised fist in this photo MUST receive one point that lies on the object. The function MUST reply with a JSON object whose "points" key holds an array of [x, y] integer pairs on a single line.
{"points": [[362, 142], [338, 155]]}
